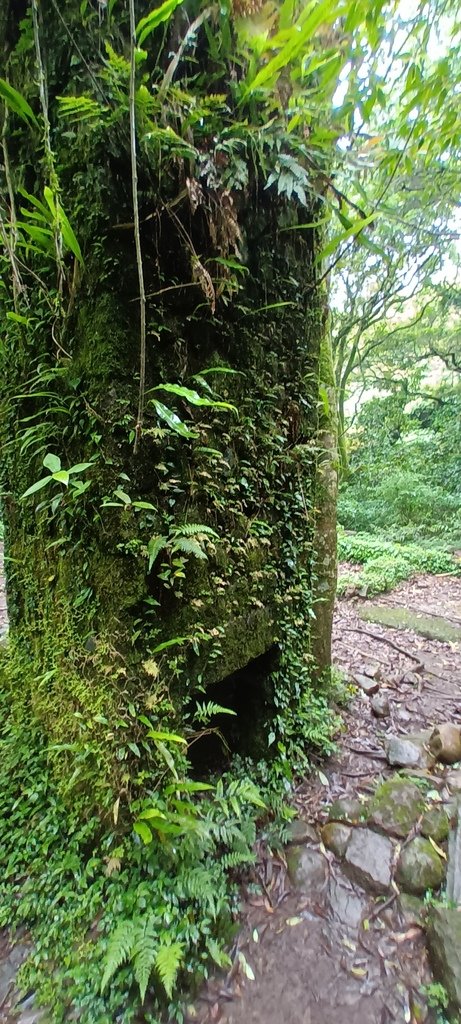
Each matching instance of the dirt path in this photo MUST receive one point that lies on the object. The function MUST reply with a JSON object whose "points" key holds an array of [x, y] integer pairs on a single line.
{"points": [[324, 950]]}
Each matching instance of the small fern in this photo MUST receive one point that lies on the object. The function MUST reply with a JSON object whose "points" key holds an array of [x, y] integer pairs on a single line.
{"points": [[194, 530]]}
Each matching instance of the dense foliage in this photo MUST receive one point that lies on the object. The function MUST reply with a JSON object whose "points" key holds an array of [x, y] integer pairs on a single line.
{"points": [[148, 146]]}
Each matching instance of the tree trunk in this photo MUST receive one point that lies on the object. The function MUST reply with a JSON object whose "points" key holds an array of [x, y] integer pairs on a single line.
{"points": [[119, 597], [325, 564]]}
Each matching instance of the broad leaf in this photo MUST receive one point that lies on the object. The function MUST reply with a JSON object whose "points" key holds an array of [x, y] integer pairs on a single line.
{"points": [[148, 24], [52, 462], [173, 420]]}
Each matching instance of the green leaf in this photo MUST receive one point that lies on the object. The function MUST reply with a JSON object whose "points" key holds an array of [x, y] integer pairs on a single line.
{"points": [[173, 420], [37, 486], [169, 737], [170, 643], [193, 397], [62, 476], [356, 227], [148, 24], [143, 831], [16, 102], [52, 462], [68, 235], [80, 467], [144, 504]]}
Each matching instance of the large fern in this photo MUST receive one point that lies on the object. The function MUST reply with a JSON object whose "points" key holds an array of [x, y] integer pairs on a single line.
{"points": [[119, 949], [168, 961], [144, 951]]}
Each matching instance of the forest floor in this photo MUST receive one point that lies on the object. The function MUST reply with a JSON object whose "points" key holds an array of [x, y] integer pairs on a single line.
{"points": [[320, 947], [315, 946]]}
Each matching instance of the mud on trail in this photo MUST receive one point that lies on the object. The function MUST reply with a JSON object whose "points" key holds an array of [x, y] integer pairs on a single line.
{"points": [[328, 940]]}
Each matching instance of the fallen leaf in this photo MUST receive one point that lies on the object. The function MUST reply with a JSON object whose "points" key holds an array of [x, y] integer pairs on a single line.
{"points": [[438, 848], [294, 920], [323, 778], [246, 969], [255, 935], [358, 972]]}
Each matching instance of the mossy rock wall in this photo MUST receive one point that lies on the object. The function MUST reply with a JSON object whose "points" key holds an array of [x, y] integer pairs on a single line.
{"points": [[87, 616]]}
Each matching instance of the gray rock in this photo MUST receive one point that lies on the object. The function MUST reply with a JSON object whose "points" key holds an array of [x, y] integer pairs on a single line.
{"points": [[454, 780], [307, 868], [380, 705], [396, 807], [368, 860], [335, 836], [366, 684], [348, 906], [411, 750], [412, 909], [420, 867], [300, 831], [444, 944]]}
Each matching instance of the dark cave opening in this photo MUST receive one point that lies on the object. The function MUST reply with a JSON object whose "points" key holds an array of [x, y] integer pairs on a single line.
{"points": [[249, 694]]}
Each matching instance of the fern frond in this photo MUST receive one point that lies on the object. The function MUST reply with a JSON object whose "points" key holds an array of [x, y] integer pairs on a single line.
{"points": [[190, 547], [144, 952], [168, 961], [80, 108], [192, 529], [236, 858], [119, 950]]}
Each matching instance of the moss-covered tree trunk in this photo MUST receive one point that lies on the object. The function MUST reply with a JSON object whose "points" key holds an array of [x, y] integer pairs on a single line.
{"points": [[143, 576], [325, 559]]}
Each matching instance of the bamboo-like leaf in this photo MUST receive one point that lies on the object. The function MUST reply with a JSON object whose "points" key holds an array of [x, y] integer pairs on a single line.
{"points": [[193, 397], [16, 102], [172, 420], [148, 24], [37, 486]]}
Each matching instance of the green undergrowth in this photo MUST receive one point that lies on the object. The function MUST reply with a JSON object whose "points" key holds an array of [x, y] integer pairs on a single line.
{"points": [[110, 913], [130, 906], [386, 563]]}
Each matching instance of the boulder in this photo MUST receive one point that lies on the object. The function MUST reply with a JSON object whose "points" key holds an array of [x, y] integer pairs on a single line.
{"points": [[410, 750], [368, 860], [420, 867], [335, 837], [366, 683], [346, 809], [380, 705], [396, 807], [445, 743], [307, 868], [300, 831], [444, 944], [435, 823]]}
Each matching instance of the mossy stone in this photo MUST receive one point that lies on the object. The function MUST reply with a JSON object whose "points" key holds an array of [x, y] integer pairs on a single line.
{"points": [[346, 809], [335, 837], [396, 807], [435, 824], [420, 867]]}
